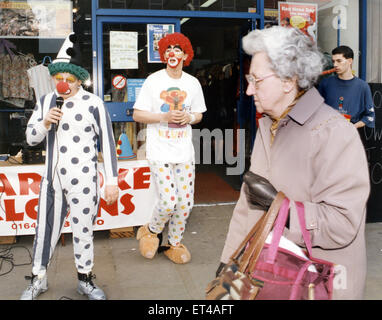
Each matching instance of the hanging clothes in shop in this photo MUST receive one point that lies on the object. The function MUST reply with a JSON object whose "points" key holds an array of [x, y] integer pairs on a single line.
{"points": [[14, 83], [40, 79]]}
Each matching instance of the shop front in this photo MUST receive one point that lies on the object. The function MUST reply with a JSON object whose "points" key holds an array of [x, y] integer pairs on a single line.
{"points": [[215, 28], [119, 49]]}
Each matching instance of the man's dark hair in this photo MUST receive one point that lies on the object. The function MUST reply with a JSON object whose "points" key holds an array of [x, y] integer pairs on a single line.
{"points": [[345, 51]]}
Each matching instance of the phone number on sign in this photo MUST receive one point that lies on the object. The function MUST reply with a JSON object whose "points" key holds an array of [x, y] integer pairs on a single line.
{"points": [[27, 225], [24, 225]]}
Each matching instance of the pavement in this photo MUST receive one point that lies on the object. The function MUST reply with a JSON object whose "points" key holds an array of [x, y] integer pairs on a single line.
{"points": [[120, 269], [125, 275]]}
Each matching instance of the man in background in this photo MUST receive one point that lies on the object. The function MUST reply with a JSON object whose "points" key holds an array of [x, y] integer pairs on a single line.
{"points": [[350, 95]]}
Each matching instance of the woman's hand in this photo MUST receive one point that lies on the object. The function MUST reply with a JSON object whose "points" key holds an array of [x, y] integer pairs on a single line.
{"points": [[259, 191], [220, 268]]}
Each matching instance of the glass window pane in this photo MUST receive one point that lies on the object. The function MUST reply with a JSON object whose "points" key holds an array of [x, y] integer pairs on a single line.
{"points": [[193, 5]]}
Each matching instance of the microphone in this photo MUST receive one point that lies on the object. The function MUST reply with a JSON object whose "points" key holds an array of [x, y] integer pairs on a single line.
{"points": [[59, 103], [62, 88]]}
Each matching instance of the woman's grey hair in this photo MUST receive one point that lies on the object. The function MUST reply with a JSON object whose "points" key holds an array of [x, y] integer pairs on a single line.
{"points": [[290, 52]]}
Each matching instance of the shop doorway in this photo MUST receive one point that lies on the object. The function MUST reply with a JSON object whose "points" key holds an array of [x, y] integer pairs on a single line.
{"points": [[219, 64]]}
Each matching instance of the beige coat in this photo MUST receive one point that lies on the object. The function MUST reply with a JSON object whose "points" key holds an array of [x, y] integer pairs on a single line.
{"points": [[317, 158]]}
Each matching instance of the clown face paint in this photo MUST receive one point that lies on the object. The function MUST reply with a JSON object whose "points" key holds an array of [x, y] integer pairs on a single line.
{"points": [[174, 56], [67, 85]]}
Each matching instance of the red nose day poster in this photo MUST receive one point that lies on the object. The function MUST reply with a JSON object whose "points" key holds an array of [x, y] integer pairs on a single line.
{"points": [[302, 16]]}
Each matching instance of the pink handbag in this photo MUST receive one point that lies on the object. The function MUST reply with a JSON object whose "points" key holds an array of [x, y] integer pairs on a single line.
{"points": [[287, 275], [261, 271]]}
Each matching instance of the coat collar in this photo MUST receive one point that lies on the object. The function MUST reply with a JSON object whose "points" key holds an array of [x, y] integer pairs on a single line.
{"points": [[306, 106], [301, 112]]}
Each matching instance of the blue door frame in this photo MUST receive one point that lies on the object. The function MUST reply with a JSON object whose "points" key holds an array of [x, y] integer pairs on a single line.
{"points": [[119, 111], [362, 38]]}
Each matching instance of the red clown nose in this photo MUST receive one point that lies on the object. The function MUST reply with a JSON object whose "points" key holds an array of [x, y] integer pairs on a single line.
{"points": [[63, 87]]}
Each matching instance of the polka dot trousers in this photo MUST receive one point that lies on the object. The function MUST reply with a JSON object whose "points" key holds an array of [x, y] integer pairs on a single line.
{"points": [[175, 185], [55, 200]]}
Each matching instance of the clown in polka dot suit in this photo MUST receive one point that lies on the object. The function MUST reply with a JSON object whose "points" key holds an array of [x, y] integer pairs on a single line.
{"points": [[169, 102], [70, 181]]}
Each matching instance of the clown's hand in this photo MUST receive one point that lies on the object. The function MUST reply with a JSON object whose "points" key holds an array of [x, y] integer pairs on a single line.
{"points": [[172, 116], [111, 194], [259, 191], [178, 116], [52, 117]]}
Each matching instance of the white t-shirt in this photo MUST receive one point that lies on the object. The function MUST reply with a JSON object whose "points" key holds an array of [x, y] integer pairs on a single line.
{"points": [[40, 80], [167, 142]]}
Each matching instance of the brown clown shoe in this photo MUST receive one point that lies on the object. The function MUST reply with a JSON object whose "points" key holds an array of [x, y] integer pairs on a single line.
{"points": [[148, 242], [177, 254]]}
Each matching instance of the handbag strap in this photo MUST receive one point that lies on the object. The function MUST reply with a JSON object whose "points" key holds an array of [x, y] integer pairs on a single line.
{"points": [[277, 231], [279, 228], [239, 251], [259, 233], [301, 219]]}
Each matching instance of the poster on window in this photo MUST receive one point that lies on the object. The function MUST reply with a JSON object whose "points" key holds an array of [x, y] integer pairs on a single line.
{"points": [[302, 16], [123, 50], [155, 32], [133, 88], [36, 19]]}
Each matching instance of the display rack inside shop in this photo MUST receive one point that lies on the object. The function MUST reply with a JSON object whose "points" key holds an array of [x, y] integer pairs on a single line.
{"points": [[13, 139], [23, 80]]}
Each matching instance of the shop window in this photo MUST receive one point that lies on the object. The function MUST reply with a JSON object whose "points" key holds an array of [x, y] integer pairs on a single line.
{"points": [[31, 34], [141, 71]]}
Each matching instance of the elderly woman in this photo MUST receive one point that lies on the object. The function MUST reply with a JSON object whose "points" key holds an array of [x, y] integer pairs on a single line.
{"points": [[307, 150]]}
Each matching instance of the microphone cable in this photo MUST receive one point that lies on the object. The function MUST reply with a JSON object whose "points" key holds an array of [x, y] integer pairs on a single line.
{"points": [[6, 255]]}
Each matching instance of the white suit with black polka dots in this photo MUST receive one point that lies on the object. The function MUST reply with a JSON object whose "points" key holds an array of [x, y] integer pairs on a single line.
{"points": [[70, 181]]}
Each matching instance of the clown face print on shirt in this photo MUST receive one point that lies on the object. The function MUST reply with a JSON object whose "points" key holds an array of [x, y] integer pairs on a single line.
{"points": [[173, 99]]}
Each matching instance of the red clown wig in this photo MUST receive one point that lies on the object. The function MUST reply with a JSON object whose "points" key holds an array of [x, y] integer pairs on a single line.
{"points": [[173, 39]]}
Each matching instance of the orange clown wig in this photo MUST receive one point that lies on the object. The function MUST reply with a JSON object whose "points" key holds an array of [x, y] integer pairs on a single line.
{"points": [[176, 39]]}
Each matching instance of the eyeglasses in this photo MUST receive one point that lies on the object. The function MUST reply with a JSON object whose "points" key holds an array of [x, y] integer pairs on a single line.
{"points": [[69, 79], [255, 82]]}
